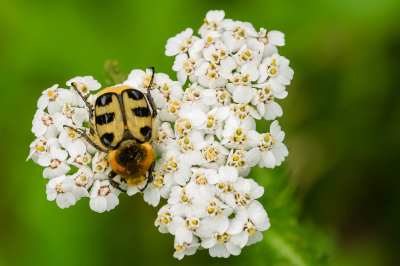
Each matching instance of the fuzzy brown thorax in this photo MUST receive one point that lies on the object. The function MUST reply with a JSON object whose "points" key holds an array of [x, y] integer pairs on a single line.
{"points": [[132, 161]]}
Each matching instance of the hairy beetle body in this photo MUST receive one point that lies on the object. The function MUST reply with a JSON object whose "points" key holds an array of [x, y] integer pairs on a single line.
{"points": [[121, 124]]}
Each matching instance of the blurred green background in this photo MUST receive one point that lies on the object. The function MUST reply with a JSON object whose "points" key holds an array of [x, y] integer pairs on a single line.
{"points": [[335, 200]]}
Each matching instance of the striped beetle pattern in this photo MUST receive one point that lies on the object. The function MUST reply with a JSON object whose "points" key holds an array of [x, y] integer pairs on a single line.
{"points": [[121, 124]]}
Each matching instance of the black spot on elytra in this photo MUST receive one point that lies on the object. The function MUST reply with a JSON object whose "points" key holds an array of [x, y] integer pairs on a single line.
{"points": [[146, 132], [104, 99], [107, 139], [105, 118], [141, 111], [135, 94]]}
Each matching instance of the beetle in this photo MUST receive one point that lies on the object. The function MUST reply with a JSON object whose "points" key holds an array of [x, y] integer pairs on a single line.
{"points": [[121, 124]]}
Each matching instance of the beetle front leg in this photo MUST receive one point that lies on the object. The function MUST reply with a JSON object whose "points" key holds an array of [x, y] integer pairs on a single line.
{"points": [[86, 137], [114, 183], [150, 178]]}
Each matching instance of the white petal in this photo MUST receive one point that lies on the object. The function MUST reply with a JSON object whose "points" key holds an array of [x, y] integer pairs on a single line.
{"points": [[54, 107], [242, 94], [209, 97], [181, 75], [44, 160], [64, 200], [43, 102], [112, 201], [208, 242], [234, 250], [269, 159], [253, 156], [98, 204], [269, 49], [219, 224], [276, 86], [257, 237], [79, 116], [152, 196], [228, 64], [183, 235]]}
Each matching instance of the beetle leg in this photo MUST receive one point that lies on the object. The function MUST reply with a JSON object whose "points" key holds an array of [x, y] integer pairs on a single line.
{"points": [[86, 137], [149, 178], [114, 183], [151, 101]]}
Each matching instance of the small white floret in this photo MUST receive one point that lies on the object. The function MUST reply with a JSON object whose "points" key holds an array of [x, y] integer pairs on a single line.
{"points": [[103, 196], [56, 161], [185, 243], [54, 99], [61, 191], [43, 125], [84, 85], [278, 72], [181, 43]]}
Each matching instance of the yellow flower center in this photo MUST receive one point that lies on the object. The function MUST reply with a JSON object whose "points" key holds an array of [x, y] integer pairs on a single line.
{"points": [[84, 88], [186, 141]]}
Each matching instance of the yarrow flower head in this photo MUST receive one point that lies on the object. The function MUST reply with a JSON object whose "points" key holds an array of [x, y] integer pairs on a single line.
{"points": [[204, 137]]}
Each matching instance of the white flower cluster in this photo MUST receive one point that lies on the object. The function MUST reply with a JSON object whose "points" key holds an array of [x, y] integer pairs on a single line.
{"points": [[206, 137], [235, 74], [58, 148]]}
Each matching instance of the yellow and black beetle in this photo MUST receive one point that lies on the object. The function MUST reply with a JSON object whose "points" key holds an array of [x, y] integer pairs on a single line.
{"points": [[121, 124]]}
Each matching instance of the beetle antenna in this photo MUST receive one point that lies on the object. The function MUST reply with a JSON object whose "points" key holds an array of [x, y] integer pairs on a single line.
{"points": [[151, 101], [89, 106], [151, 81]]}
